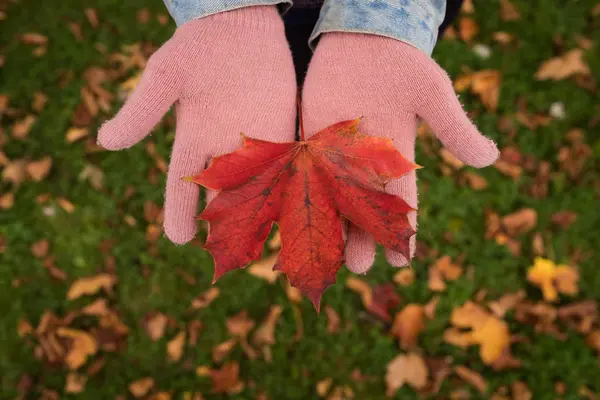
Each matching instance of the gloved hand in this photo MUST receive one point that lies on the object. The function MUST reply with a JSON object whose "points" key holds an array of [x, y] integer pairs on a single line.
{"points": [[227, 73], [391, 84]]}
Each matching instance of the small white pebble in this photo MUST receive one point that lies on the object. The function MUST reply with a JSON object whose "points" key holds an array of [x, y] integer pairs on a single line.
{"points": [[49, 211], [482, 51], [557, 110]]}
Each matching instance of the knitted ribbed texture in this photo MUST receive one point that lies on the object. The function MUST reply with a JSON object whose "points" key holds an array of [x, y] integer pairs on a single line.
{"points": [[227, 73], [390, 84]]}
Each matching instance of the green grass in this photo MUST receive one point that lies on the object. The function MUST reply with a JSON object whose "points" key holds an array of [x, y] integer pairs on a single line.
{"points": [[297, 366]]}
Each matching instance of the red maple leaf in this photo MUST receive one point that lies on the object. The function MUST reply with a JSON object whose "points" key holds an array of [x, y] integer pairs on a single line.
{"points": [[305, 187]]}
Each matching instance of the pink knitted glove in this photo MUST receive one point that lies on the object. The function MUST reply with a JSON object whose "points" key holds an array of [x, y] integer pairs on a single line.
{"points": [[227, 73], [391, 84]]}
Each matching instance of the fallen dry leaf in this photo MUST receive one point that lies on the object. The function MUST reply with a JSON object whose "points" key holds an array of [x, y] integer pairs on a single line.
{"points": [[66, 205], [155, 325], [564, 218], [490, 333], [7, 201], [593, 340], [486, 84], [175, 347], [226, 379], [471, 377], [467, 29], [240, 324], [75, 383], [39, 101], [508, 11], [265, 333], [406, 369], [34, 38], [74, 134], [40, 248], [562, 67], [91, 285], [204, 299], [333, 320], [404, 277], [475, 181], [221, 350], [506, 303], [520, 221], [553, 279], [92, 17], [81, 347], [408, 324], [93, 175], [264, 268], [520, 391], [141, 387], [323, 387], [38, 170], [22, 128]]}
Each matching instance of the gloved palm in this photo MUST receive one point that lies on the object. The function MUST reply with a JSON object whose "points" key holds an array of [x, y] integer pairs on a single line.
{"points": [[391, 84], [226, 73]]}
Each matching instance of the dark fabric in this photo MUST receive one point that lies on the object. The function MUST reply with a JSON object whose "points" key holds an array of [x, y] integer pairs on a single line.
{"points": [[302, 17]]}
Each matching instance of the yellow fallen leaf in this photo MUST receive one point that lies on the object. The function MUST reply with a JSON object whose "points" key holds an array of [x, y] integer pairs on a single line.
{"points": [[91, 285], [486, 84], [553, 279], [493, 337], [74, 134], [21, 128], [265, 334]]}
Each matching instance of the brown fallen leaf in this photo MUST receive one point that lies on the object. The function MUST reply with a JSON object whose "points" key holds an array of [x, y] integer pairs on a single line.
{"points": [[520, 221], [155, 325], [74, 134], [508, 11], [39, 101], [7, 201], [341, 393], [520, 391], [66, 205], [240, 324], [471, 377], [475, 181], [407, 369], [91, 285], [92, 16], [34, 38], [81, 347], [175, 347], [333, 320], [204, 299], [503, 37], [22, 128], [15, 172], [93, 175], [467, 29], [40, 248], [593, 340], [99, 308], [564, 218], [486, 84], [220, 351], [226, 379], [558, 68], [404, 277], [265, 333], [323, 387], [75, 383], [263, 269], [506, 303], [408, 324], [431, 307], [38, 170], [24, 328], [141, 387]]}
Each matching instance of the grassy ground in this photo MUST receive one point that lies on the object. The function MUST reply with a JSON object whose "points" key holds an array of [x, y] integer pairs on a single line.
{"points": [[452, 222]]}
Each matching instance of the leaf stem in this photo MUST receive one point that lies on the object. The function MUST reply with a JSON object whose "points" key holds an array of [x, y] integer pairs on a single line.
{"points": [[301, 120]]}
